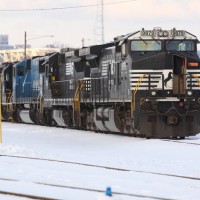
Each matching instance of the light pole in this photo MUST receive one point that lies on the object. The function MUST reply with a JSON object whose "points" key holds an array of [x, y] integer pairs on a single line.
{"points": [[0, 112], [25, 41], [25, 46]]}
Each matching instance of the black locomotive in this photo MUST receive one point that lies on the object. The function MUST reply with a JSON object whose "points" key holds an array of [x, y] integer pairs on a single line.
{"points": [[145, 83]]}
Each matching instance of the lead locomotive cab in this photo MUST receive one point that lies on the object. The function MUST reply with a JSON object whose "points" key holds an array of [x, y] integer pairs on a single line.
{"points": [[165, 82]]}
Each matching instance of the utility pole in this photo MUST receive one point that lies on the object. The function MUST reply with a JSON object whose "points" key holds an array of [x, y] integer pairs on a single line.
{"points": [[0, 111], [25, 45], [25, 41], [83, 42]]}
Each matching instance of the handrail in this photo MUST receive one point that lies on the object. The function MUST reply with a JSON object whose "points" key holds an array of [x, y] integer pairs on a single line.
{"points": [[41, 104], [133, 97], [197, 78], [8, 100], [77, 102], [81, 84], [134, 93]]}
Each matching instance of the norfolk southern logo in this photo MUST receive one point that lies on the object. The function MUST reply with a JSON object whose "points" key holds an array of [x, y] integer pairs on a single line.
{"points": [[162, 33], [168, 78]]}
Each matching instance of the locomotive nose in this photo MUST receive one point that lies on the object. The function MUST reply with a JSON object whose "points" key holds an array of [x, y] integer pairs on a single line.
{"points": [[172, 120]]}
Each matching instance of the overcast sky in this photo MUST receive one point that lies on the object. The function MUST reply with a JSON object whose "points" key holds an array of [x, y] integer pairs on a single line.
{"points": [[69, 26]]}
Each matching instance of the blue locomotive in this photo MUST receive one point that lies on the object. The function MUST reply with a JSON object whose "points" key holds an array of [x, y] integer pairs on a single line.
{"points": [[145, 84]]}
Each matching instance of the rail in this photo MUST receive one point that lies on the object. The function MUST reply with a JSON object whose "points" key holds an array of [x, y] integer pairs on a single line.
{"points": [[95, 90], [184, 82], [189, 83]]}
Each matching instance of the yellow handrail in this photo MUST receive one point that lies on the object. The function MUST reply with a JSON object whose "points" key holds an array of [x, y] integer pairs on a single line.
{"points": [[8, 100], [197, 78], [41, 104], [77, 97], [134, 93]]}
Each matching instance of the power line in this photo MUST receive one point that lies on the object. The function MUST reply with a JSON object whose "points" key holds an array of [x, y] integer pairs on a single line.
{"points": [[62, 8]]}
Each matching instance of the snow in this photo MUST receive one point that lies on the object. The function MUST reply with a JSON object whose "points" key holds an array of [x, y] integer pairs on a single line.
{"points": [[139, 157]]}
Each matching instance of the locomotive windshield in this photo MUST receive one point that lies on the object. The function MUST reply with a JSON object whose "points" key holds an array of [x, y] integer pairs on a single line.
{"points": [[146, 45], [186, 45]]}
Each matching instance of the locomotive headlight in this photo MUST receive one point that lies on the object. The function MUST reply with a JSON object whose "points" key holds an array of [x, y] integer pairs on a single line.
{"points": [[189, 93], [153, 93]]}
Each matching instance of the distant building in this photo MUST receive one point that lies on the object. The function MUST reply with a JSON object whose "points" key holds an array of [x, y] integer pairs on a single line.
{"points": [[9, 53], [18, 54], [21, 46], [4, 45], [51, 46]]}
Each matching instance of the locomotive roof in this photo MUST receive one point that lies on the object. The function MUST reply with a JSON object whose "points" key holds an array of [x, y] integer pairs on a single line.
{"points": [[157, 33], [86, 51]]}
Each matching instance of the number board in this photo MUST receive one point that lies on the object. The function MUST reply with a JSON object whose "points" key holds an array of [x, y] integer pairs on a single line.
{"points": [[69, 54], [84, 52], [163, 33]]}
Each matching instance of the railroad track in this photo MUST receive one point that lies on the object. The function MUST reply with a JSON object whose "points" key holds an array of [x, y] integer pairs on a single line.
{"points": [[122, 134], [180, 141], [30, 196], [104, 167]]}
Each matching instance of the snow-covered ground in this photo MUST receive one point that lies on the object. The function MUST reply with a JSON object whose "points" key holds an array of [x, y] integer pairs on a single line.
{"points": [[89, 165]]}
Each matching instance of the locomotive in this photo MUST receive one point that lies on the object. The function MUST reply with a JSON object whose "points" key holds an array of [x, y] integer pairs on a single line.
{"points": [[144, 84]]}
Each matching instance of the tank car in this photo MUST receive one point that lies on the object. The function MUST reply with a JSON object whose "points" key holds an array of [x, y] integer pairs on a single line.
{"points": [[145, 84]]}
